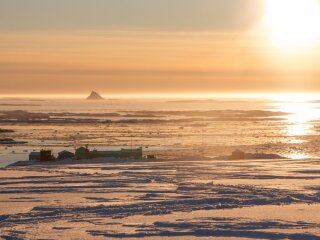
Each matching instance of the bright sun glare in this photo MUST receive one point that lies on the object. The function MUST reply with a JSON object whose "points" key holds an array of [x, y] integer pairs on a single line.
{"points": [[293, 24]]}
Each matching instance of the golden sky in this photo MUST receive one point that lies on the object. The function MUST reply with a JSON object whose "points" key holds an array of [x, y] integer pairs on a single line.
{"points": [[149, 46]]}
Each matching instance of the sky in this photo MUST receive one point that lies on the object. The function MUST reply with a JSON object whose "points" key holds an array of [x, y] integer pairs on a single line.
{"points": [[156, 46]]}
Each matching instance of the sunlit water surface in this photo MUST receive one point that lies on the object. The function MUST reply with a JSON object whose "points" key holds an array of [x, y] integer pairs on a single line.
{"points": [[293, 134]]}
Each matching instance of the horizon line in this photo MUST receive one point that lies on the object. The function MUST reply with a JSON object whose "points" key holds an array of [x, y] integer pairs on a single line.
{"points": [[108, 96]]}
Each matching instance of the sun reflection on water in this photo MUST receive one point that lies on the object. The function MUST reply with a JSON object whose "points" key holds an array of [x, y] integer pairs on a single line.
{"points": [[298, 156], [301, 116], [300, 121]]}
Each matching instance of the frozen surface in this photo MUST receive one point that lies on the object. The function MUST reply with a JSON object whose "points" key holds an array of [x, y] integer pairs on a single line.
{"points": [[177, 199]]}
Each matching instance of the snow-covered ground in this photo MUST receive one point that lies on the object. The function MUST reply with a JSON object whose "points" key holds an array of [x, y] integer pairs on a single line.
{"points": [[160, 199]]}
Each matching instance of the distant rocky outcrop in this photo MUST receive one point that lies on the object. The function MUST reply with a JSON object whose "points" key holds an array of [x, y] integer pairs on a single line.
{"points": [[95, 96]]}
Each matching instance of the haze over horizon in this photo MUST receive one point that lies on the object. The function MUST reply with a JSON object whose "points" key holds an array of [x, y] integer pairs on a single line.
{"points": [[151, 46]]}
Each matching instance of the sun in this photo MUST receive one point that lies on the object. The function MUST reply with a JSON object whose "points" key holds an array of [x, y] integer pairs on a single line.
{"points": [[293, 24]]}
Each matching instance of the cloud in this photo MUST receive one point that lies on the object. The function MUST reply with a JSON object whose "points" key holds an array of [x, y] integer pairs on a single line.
{"points": [[168, 15]]}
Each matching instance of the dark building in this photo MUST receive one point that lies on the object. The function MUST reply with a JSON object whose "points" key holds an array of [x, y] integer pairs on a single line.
{"points": [[151, 157], [34, 156], [65, 155], [46, 155]]}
